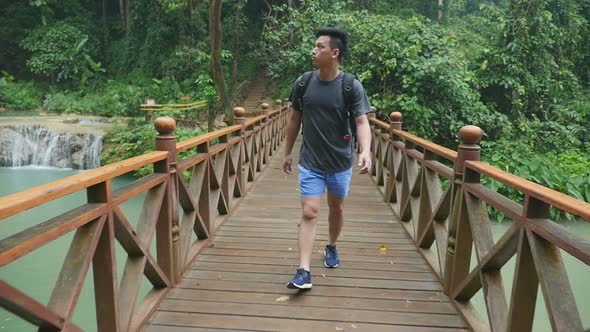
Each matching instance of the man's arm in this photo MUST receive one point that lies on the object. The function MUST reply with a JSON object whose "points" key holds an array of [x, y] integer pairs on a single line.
{"points": [[293, 127], [363, 133]]}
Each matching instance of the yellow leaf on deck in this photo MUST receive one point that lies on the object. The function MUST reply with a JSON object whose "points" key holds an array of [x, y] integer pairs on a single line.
{"points": [[282, 299], [383, 248]]}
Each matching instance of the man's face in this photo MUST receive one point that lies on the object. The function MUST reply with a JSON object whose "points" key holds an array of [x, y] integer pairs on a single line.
{"points": [[323, 53]]}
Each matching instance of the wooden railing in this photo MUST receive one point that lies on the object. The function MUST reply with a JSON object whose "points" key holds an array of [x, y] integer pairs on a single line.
{"points": [[183, 214], [186, 108], [454, 218]]}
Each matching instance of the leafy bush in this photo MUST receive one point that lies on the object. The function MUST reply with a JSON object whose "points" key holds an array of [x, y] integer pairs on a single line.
{"points": [[135, 139], [407, 65], [567, 172], [59, 51], [185, 61], [115, 99], [19, 95]]}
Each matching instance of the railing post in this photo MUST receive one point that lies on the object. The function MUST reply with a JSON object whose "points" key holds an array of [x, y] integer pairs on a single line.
{"points": [[460, 239], [167, 230], [395, 123], [370, 115], [265, 134], [279, 126], [265, 110], [239, 114]]}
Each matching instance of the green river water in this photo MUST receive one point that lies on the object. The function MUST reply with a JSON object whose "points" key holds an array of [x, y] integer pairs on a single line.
{"points": [[36, 273]]}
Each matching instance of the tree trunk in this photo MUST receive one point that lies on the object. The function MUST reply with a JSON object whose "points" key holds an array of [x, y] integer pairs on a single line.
{"points": [[216, 70], [124, 12], [290, 5]]}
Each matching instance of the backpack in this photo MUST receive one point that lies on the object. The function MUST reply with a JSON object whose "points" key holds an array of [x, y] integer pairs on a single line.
{"points": [[347, 84]]}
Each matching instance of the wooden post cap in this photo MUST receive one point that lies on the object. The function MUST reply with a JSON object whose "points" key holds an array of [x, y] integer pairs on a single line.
{"points": [[279, 102], [165, 125], [470, 134], [395, 117], [264, 106], [239, 112]]}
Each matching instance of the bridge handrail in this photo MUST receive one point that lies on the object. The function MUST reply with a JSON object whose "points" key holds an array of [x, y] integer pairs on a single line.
{"points": [[201, 104], [180, 213], [555, 198], [455, 219], [427, 145], [28, 199]]}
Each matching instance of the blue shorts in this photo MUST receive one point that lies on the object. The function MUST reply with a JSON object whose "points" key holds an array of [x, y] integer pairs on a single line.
{"points": [[312, 183]]}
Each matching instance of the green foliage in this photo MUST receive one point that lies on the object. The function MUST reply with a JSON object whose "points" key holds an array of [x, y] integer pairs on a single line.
{"points": [[482, 69], [415, 67], [185, 61], [531, 70], [115, 100], [567, 172], [135, 139], [60, 52], [19, 95]]}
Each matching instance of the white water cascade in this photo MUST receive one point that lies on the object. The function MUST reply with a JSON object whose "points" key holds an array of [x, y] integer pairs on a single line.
{"points": [[22, 145]]}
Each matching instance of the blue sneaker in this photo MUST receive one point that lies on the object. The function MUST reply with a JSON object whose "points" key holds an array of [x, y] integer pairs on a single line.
{"points": [[301, 280], [331, 258]]}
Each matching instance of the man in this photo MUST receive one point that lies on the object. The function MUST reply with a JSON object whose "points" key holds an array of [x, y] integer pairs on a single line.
{"points": [[327, 153]]}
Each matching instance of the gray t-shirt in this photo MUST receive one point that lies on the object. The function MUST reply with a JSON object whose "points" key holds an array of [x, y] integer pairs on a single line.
{"points": [[327, 142]]}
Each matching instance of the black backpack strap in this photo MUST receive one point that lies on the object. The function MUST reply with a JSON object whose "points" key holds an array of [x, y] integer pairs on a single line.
{"points": [[347, 86], [302, 86]]}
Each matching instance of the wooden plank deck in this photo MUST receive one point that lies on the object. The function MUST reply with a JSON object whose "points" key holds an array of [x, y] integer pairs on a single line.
{"points": [[239, 284]]}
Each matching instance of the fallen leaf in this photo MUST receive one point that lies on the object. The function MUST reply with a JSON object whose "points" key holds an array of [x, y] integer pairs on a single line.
{"points": [[383, 248], [282, 299], [323, 275], [390, 262], [220, 276], [435, 296], [339, 328], [353, 326], [290, 249]]}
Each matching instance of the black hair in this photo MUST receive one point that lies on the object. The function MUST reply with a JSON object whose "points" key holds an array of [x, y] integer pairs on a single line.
{"points": [[338, 39]]}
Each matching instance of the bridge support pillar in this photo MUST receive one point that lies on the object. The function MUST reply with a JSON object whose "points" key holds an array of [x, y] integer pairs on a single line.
{"points": [[460, 239], [167, 230]]}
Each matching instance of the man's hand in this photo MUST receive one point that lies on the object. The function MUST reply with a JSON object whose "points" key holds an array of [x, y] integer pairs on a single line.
{"points": [[365, 163], [288, 165]]}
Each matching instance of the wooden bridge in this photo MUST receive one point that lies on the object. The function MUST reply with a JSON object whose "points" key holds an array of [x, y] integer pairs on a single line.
{"points": [[417, 242]]}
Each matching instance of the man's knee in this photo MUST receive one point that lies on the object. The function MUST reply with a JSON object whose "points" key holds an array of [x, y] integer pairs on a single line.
{"points": [[310, 212], [336, 205]]}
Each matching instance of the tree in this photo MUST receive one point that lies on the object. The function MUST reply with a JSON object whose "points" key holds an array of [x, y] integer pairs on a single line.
{"points": [[216, 69]]}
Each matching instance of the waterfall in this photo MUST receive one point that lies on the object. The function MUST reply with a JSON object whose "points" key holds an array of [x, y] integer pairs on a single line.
{"points": [[22, 145]]}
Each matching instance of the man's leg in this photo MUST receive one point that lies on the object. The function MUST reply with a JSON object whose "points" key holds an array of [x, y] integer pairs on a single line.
{"points": [[338, 185], [335, 217], [311, 187], [307, 229]]}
